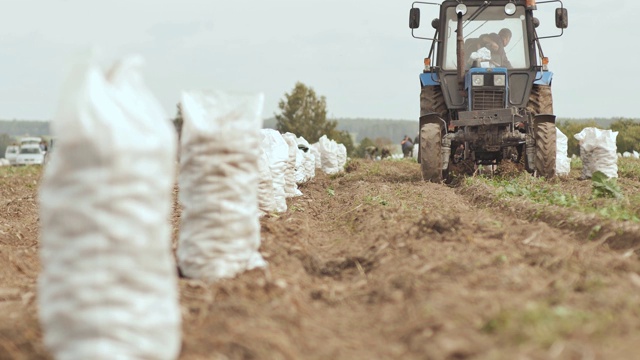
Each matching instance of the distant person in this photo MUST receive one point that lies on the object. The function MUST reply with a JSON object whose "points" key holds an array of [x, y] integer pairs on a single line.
{"points": [[370, 152], [496, 44], [407, 146], [385, 153]]}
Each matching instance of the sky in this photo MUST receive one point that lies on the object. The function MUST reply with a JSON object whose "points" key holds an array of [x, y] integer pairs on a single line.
{"points": [[359, 54]]}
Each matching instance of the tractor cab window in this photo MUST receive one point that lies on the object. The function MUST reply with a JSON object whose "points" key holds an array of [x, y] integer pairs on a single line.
{"points": [[491, 39]]}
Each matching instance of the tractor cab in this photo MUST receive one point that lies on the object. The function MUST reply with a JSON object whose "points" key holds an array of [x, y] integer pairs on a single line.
{"points": [[491, 39]]}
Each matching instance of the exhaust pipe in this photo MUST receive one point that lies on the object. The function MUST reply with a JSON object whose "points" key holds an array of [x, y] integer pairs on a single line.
{"points": [[460, 54]]}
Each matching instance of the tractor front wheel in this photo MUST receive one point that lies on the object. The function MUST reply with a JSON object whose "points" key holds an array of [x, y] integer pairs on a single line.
{"points": [[431, 152], [545, 159], [541, 102]]}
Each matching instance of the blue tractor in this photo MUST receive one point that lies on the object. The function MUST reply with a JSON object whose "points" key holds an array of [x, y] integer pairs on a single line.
{"points": [[486, 89]]}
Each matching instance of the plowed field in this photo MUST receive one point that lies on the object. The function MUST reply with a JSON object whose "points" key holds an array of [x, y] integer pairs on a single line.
{"points": [[377, 264]]}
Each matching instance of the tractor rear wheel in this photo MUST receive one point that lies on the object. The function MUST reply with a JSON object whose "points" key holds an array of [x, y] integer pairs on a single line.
{"points": [[541, 102], [431, 152]]}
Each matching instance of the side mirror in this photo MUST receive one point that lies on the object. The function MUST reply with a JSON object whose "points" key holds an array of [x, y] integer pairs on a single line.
{"points": [[435, 23], [414, 18], [562, 18]]}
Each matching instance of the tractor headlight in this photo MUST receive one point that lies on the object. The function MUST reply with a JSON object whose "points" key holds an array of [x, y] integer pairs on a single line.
{"points": [[477, 79], [499, 80]]}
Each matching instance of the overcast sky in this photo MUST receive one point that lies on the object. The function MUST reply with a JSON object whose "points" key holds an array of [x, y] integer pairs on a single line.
{"points": [[359, 54]]}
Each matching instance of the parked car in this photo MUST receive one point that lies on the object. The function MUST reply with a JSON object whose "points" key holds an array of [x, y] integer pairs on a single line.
{"points": [[30, 154], [11, 154]]}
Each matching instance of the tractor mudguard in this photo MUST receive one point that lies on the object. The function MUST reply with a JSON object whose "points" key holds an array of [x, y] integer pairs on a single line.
{"points": [[432, 118], [429, 79], [544, 118], [543, 78]]}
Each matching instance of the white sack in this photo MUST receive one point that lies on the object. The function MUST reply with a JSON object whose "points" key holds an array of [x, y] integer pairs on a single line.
{"points": [[309, 159], [220, 230], [598, 151], [290, 186], [108, 287], [481, 54], [315, 151], [563, 163], [328, 155], [341, 155], [266, 195], [309, 165], [277, 151], [301, 175]]}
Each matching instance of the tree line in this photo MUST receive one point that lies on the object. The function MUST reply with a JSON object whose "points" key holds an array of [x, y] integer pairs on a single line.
{"points": [[303, 112]]}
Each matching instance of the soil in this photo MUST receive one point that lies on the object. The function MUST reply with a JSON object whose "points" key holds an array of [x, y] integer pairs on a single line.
{"points": [[375, 263]]}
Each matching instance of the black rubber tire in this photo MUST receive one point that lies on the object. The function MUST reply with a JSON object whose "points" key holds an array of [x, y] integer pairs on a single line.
{"points": [[541, 102], [432, 101], [545, 160], [431, 152]]}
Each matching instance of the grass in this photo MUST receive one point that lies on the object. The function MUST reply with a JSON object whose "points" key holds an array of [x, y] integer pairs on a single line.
{"points": [[10, 173], [527, 186], [375, 200], [629, 168], [544, 324], [607, 198]]}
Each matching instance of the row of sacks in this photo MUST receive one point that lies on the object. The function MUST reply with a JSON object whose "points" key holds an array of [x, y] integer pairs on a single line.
{"points": [[627, 154], [108, 284], [286, 161], [597, 152]]}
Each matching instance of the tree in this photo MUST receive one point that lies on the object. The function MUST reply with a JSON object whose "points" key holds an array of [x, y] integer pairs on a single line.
{"points": [[362, 147], [305, 114], [5, 140], [628, 135]]}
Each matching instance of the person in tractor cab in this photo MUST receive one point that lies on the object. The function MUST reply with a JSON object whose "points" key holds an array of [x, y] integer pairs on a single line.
{"points": [[496, 44]]}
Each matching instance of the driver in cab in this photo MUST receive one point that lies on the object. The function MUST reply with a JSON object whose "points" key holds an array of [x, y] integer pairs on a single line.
{"points": [[496, 44]]}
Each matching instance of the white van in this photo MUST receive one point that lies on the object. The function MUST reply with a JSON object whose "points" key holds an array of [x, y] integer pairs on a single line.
{"points": [[30, 154], [11, 153]]}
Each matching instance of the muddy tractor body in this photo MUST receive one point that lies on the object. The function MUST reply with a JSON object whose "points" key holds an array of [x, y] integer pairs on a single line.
{"points": [[485, 88]]}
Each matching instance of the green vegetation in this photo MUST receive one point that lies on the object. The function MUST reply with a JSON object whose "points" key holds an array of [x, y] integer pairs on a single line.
{"points": [[532, 188], [605, 187], [629, 168], [544, 324], [375, 200], [330, 191], [605, 197], [628, 132], [303, 113], [18, 128], [22, 171]]}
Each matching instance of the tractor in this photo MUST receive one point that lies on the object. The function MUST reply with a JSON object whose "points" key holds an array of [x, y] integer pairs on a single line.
{"points": [[486, 87]]}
